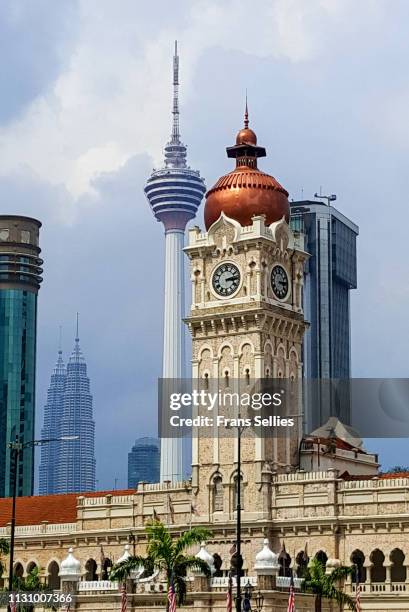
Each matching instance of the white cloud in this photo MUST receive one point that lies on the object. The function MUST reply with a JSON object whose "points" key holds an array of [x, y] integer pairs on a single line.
{"points": [[113, 98]]}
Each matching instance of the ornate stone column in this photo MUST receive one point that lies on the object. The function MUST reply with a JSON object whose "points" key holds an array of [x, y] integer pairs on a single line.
{"points": [[70, 575]]}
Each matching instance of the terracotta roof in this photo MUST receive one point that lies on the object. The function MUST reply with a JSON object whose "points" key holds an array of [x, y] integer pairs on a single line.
{"points": [[51, 508], [395, 475]]}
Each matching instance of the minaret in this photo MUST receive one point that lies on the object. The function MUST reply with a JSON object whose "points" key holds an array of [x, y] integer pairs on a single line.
{"points": [[174, 193]]}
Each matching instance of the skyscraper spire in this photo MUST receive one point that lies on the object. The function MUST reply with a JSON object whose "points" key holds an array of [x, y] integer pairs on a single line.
{"points": [[77, 338], [175, 125]]}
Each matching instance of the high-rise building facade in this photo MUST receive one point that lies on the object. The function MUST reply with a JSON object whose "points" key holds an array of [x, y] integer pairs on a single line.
{"points": [[53, 413], [174, 193], [330, 274], [69, 467], [20, 278], [143, 462]]}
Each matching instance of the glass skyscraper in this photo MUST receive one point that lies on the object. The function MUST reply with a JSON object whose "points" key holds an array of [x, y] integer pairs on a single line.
{"points": [[143, 462], [69, 467], [20, 278], [331, 273]]}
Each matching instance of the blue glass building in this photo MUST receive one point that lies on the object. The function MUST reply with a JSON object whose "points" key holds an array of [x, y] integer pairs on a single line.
{"points": [[69, 467], [330, 274], [20, 278], [143, 462]]}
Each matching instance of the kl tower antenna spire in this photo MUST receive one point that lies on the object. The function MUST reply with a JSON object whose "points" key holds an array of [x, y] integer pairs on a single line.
{"points": [[174, 192]]}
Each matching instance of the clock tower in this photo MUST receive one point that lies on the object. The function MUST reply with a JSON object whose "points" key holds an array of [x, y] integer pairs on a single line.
{"points": [[246, 322]]}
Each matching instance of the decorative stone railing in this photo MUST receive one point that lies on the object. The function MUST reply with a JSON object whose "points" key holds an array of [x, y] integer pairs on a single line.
{"points": [[283, 582], [369, 588], [97, 585], [302, 476], [43, 528], [219, 582], [374, 483]]}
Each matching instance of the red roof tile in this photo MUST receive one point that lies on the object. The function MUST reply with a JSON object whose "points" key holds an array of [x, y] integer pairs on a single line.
{"points": [[50, 508]]}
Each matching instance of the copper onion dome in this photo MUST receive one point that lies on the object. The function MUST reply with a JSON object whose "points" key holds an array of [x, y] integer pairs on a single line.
{"points": [[246, 191]]}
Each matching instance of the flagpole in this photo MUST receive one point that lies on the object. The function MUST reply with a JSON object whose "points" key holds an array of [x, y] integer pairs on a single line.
{"points": [[238, 523]]}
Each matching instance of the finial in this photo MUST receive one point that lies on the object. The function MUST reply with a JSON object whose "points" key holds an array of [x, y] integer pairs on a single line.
{"points": [[60, 341], [246, 115], [77, 336]]}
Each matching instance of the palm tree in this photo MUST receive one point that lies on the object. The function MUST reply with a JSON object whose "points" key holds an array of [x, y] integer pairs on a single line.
{"points": [[324, 586], [4, 550], [167, 555]]}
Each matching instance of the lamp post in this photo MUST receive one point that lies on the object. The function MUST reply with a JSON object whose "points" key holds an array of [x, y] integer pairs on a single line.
{"points": [[16, 448], [259, 599], [248, 591]]}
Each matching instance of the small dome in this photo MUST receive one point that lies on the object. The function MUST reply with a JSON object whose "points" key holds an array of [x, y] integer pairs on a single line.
{"points": [[126, 554], [205, 556], [246, 136], [70, 566], [266, 558], [244, 193], [331, 565]]}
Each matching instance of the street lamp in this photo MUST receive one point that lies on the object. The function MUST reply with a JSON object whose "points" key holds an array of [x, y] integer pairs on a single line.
{"points": [[259, 599], [248, 591], [16, 448]]}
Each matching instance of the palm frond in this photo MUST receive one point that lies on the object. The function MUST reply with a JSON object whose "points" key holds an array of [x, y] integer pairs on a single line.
{"points": [[342, 572], [194, 536], [121, 571], [193, 563]]}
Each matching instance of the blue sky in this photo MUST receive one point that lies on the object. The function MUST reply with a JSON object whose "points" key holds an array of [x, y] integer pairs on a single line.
{"points": [[85, 112]]}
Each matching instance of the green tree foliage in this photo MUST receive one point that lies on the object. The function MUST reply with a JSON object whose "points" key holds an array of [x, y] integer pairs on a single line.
{"points": [[167, 555], [327, 586]]}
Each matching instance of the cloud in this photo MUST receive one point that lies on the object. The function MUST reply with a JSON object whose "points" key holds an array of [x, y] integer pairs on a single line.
{"points": [[35, 39]]}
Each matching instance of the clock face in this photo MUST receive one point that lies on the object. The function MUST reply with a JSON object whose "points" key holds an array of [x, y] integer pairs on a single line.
{"points": [[279, 282], [226, 279]]}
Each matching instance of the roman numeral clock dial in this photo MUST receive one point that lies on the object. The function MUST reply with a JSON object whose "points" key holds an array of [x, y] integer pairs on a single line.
{"points": [[279, 282], [226, 279]]}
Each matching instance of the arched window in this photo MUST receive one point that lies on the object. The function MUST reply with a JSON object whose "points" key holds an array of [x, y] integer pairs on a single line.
{"points": [[398, 570], [206, 380], [378, 571], [226, 379], [18, 571], [284, 561], [247, 376], [322, 557], [235, 492], [358, 560], [53, 578], [31, 567], [91, 570], [217, 493], [302, 560], [105, 569]]}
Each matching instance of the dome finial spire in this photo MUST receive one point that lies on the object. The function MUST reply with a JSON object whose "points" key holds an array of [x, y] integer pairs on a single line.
{"points": [[246, 115]]}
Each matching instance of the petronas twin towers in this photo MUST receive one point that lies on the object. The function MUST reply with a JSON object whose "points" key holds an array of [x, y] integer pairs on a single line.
{"points": [[68, 467]]}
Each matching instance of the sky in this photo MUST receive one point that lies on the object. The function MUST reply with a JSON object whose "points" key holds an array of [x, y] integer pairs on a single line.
{"points": [[85, 113]]}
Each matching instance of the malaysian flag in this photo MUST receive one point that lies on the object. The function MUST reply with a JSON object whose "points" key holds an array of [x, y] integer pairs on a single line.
{"points": [[229, 600], [172, 596], [357, 591], [291, 597], [124, 598]]}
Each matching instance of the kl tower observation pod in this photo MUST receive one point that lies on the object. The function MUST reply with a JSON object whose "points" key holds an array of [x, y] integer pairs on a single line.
{"points": [[174, 193]]}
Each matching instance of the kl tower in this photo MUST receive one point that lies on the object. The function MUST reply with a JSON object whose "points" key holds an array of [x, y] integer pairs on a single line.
{"points": [[174, 193]]}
